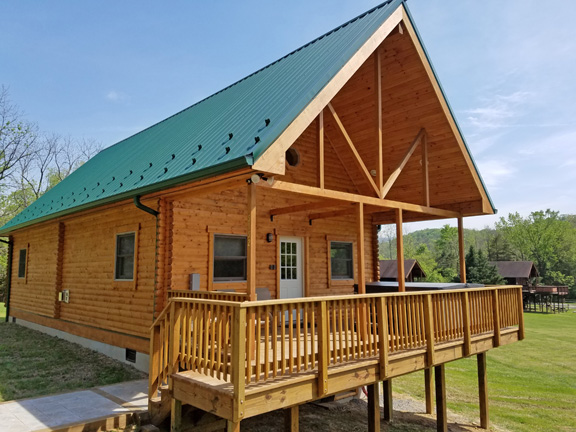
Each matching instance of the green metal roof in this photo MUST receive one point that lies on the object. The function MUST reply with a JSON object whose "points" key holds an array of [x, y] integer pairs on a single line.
{"points": [[223, 132], [226, 131]]}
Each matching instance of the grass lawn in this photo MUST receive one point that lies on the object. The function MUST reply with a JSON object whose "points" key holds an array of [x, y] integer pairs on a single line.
{"points": [[2, 312], [531, 384], [35, 364]]}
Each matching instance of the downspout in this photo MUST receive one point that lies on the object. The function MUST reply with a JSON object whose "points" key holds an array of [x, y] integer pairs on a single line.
{"points": [[154, 213], [8, 276]]}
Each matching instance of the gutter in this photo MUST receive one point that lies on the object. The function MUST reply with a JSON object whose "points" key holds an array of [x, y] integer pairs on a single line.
{"points": [[8, 276]]}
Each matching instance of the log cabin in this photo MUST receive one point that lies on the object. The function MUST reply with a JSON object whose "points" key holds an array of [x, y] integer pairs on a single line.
{"points": [[412, 270], [219, 248]]}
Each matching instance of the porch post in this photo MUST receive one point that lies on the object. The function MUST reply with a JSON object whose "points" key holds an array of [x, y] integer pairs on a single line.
{"points": [[291, 419], [400, 251], [483, 390], [461, 249], [251, 242], [360, 250]]}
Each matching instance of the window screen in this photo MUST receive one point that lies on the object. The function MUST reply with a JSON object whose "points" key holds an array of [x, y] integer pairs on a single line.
{"points": [[229, 258], [341, 263], [125, 244]]}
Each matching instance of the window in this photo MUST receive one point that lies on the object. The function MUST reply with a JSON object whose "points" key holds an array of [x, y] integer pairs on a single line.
{"points": [[22, 263], [292, 157], [341, 264], [125, 245], [229, 258]]}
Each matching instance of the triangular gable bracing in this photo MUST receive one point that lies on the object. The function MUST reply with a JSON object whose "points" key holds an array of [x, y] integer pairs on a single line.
{"points": [[251, 122]]}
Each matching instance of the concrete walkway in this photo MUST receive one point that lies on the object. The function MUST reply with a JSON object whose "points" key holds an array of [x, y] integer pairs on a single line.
{"points": [[98, 407]]}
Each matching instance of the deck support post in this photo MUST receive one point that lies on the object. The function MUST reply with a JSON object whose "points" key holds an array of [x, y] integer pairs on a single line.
{"points": [[441, 418], [429, 390], [232, 426], [176, 416], [483, 390], [387, 393], [291, 419], [373, 407], [400, 251]]}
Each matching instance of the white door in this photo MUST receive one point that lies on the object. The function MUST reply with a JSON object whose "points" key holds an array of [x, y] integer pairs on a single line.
{"points": [[291, 269]]}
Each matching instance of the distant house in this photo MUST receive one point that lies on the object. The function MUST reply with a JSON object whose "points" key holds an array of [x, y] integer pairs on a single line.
{"points": [[516, 272], [412, 270]]}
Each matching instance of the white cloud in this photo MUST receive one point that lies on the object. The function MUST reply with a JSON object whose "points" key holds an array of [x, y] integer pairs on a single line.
{"points": [[494, 172], [498, 111], [115, 96]]}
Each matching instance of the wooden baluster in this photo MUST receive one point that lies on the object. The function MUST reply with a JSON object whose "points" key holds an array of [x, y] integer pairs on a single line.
{"points": [[354, 329], [205, 356], [267, 342], [283, 337], [291, 337], [429, 330], [213, 318], [313, 326], [305, 331], [466, 323], [298, 339], [496, 315], [333, 347], [250, 343], [258, 344], [338, 304], [347, 335], [274, 341]]}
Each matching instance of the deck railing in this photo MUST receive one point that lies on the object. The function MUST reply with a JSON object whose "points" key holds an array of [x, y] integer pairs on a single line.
{"points": [[244, 343], [210, 295]]}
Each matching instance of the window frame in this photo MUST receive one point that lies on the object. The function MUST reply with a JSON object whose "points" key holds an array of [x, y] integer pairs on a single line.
{"points": [[134, 256], [223, 280], [347, 277], [25, 275]]}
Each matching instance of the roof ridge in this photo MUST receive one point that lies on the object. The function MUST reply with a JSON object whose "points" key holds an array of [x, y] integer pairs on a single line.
{"points": [[362, 15]]}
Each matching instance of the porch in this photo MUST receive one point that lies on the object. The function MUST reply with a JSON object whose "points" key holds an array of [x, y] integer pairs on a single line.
{"points": [[240, 359]]}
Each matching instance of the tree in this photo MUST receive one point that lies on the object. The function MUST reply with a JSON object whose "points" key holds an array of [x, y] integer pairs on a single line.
{"points": [[479, 270], [498, 248], [447, 253], [545, 238], [17, 136]]}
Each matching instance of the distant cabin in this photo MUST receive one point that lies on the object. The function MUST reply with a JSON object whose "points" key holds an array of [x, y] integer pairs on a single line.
{"points": [[516, 272], [412, 271]]}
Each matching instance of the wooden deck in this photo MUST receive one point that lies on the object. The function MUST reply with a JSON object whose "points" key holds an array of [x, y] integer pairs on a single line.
{"points": [[238, 360]]}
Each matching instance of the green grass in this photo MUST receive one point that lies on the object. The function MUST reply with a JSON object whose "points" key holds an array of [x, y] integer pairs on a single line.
{"points": [[531, 384], [2, 312], [35, 364]]}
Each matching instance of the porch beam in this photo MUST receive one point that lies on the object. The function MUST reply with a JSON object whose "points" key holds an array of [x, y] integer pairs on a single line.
{"points": [[321, 150], [357, 157], [425, 175], [400, 251], [396, 173], [304, 207], [354, 198], [251, 241], [360, 251], [461, 249], [331, 214]]}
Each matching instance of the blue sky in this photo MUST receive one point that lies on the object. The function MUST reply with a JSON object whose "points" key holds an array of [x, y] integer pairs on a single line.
{"points": [[107, 69]]}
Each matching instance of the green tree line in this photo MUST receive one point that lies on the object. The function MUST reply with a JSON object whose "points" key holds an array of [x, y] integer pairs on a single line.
{"points": [[545, 237]]}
